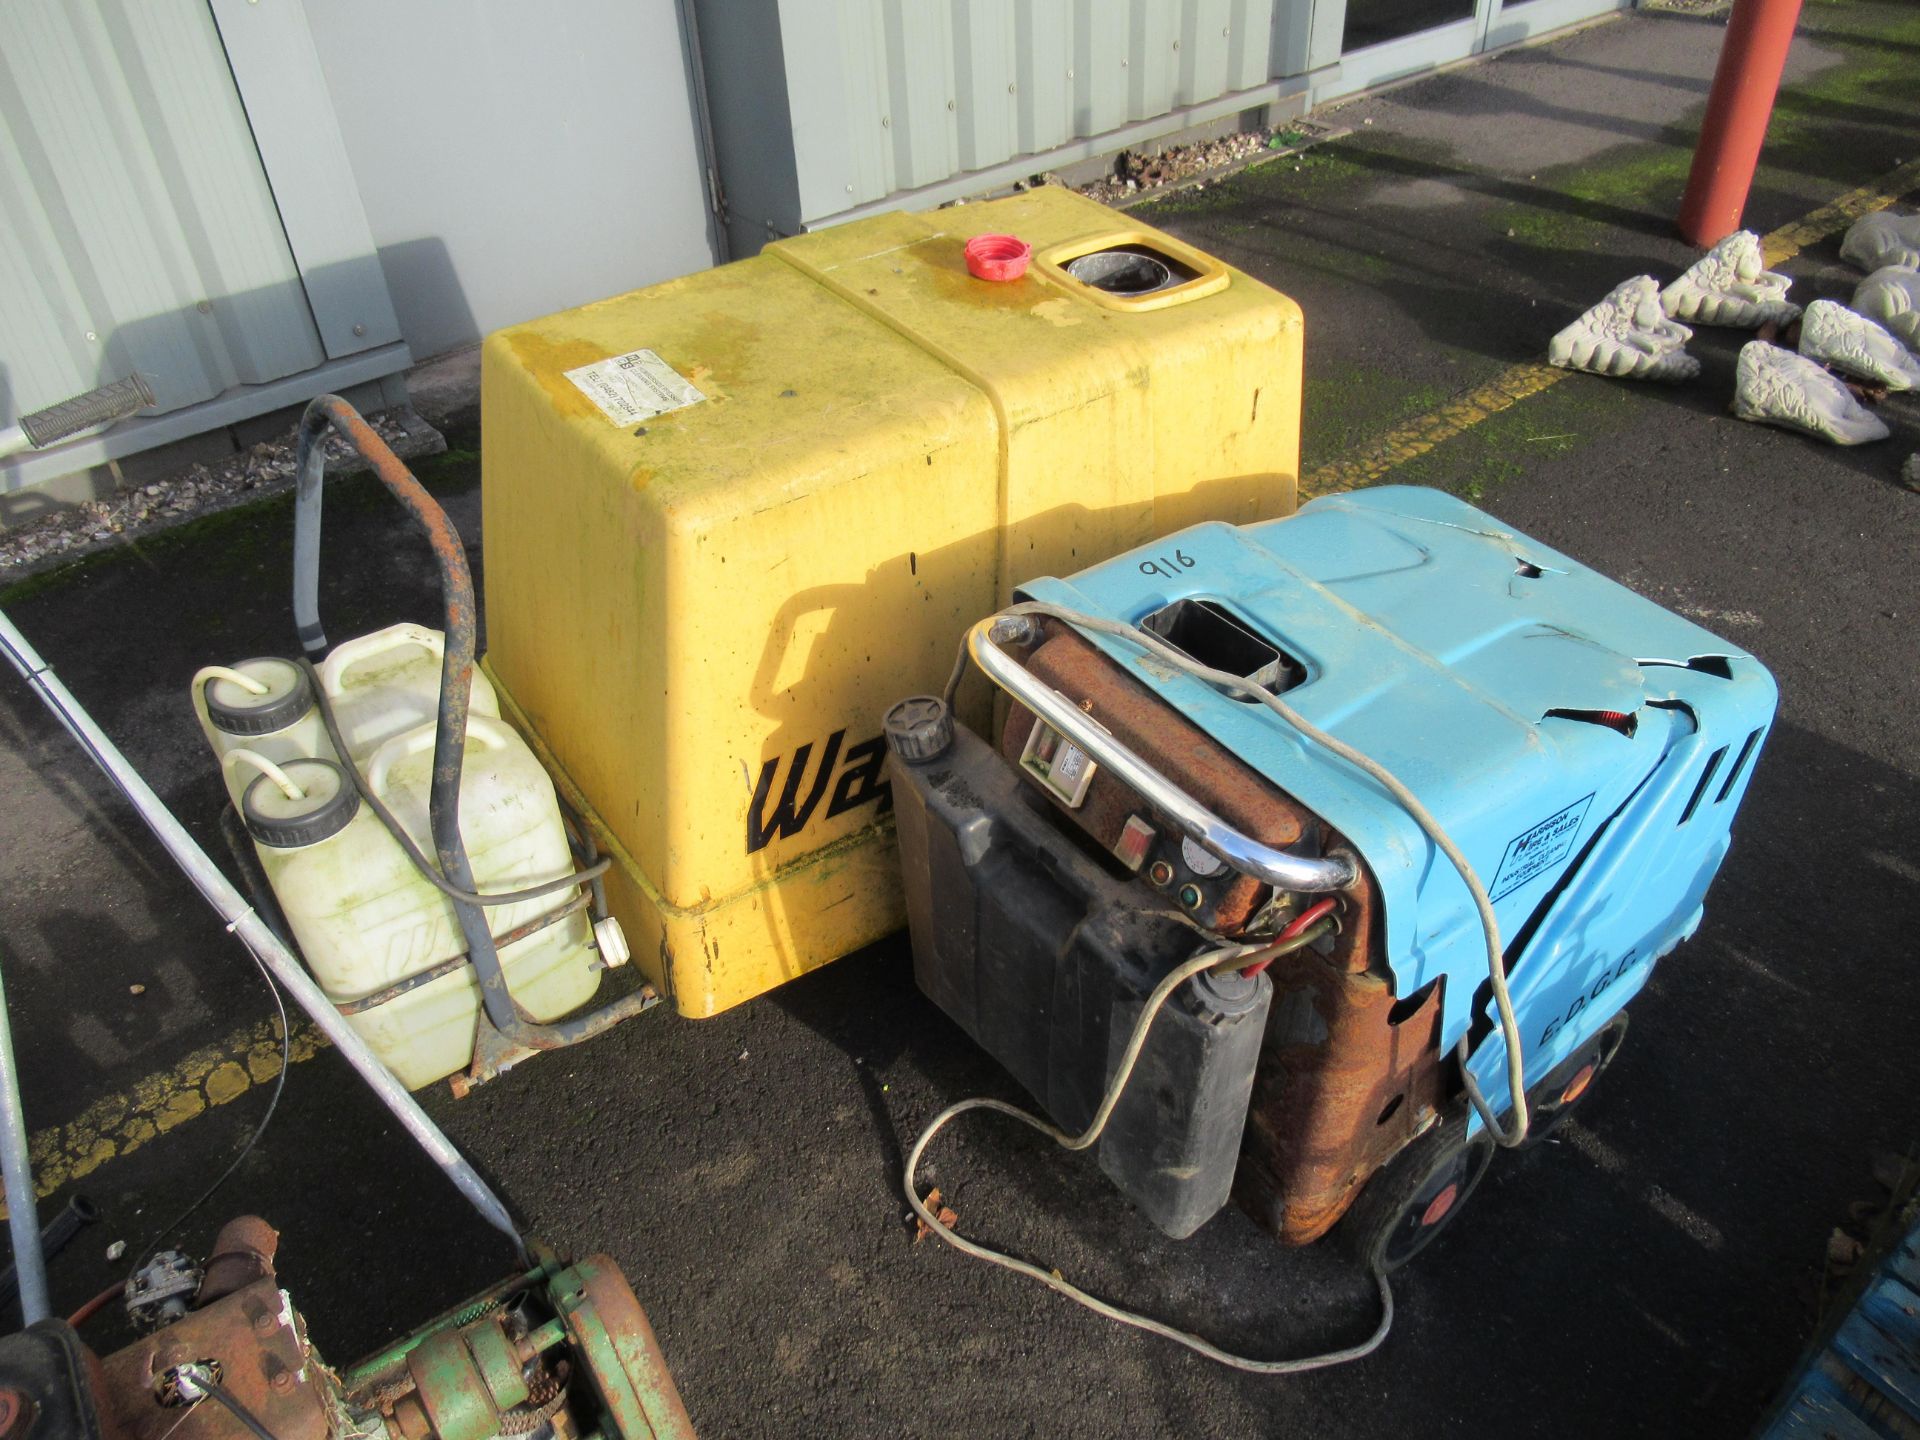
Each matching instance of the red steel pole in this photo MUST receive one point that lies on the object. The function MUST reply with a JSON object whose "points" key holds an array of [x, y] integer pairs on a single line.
{"points": [[1745, 82]]}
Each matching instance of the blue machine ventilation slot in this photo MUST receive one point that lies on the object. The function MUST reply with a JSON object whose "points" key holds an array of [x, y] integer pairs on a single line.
{"points": [[1739, 766], [1625, 722], [1716, 665], [1706, 779]]}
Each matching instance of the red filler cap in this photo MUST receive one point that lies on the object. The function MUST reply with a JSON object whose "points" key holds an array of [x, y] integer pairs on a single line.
{"points": [[998, 257]]}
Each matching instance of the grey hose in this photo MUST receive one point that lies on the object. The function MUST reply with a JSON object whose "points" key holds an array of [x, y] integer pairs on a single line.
{"points": [[1123, 1072], [590, 875]]}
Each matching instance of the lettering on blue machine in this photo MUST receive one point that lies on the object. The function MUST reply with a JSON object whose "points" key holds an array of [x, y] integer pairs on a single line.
{"points": [[1539, 848], [862, 769], [1601, 984]]}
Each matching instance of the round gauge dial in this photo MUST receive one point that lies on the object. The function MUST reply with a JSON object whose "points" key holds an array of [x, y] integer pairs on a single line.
{"points": [[1201, 861]]}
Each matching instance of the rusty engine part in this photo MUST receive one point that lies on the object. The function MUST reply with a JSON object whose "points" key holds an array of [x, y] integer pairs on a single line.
{"points": [[1227, 901], [562, 1352], [1348, 1072]]}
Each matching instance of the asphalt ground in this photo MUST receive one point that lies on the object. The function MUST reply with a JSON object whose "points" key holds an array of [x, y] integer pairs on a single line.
{"points": [[1654, 1271]]}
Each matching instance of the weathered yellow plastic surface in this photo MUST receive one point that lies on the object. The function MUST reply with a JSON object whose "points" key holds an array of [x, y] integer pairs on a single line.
{"points": [[700, 623]]}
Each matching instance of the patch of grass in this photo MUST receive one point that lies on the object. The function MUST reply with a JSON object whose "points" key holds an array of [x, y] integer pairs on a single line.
{"points": [[1873, 88], [241, 538], [58, 577], [1480, 462], [1832, 125], [453, 471], [233, 540], [1350, 159], [1336, 163], [1191, 201], [1369, 267], [1344, 407], [1624, 184]]}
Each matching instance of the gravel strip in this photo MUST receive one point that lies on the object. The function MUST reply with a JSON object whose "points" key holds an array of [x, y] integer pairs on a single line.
{"points": [[1138, 174], [266, 469]]}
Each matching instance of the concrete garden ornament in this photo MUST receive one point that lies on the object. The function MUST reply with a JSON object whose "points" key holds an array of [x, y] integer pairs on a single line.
{"points": [[1778, 387], [1627, 334], [1892, 298], [1880, 240], [1834, 335], [1730, 285]]}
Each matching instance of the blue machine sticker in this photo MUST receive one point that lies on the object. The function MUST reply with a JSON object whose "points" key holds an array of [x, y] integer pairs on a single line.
{"points": [[1539, 848]]}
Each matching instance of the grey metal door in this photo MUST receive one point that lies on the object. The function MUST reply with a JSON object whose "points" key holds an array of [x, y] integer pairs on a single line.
{"points": [[139, 223]]}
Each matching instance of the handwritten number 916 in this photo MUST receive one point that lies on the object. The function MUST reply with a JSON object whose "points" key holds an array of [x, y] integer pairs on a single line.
{"points": [[1168, 569]]}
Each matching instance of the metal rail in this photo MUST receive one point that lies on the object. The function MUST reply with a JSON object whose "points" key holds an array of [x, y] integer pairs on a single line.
{"points": [[1279, 868], [513, 1033], [23, 1218]]}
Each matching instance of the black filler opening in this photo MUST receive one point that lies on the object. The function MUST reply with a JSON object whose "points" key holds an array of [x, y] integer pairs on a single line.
{"points": [[1130, 270], [1208, 632]]}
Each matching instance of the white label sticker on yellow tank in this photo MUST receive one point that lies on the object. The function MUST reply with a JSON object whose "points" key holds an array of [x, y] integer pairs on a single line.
{"points": [[635, 387]]}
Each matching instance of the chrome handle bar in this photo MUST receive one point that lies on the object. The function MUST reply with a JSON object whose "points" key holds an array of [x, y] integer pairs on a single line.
{"points": [[1279, 868]]}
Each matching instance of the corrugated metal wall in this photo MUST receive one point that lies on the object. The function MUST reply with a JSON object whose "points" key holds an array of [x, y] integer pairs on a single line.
{"points": [[892, 95], [137, 228]]}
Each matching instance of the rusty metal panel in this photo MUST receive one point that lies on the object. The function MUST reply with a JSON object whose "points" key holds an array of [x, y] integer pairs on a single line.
{"points": [[614, 1340], [262, 1345], [1347, 1076]]}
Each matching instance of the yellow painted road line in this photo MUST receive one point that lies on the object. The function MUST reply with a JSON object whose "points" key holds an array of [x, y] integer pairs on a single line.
{"points": [[1789, 240], [1514, 384], [1416, 437], [119, 1124]]}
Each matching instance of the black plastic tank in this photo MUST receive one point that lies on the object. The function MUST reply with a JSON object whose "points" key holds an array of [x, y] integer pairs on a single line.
{"points": [[1046, 957]]}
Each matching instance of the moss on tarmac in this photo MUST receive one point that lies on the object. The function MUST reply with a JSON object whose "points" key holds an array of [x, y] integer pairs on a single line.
{"points": [[1829, 128]]}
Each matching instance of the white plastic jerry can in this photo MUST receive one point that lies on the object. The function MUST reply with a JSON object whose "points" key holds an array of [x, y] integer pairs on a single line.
{"points": [[370, 926], [367, 921], [386, 683], [379, 685]]}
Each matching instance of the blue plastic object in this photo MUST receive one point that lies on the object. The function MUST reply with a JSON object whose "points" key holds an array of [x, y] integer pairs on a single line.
{"points": [[1861, 1378], [1586, 748]]}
